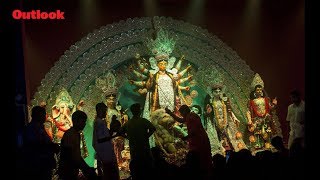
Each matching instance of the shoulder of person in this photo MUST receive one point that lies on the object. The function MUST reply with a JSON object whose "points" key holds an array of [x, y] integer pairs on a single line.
{"points": [[99, 120], [68, 133], [193, 114], [290, 106]]}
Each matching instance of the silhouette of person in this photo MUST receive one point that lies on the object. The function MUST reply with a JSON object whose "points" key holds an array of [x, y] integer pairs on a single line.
{"points": [[199, 145], [296, 116], [71, 159], [138, 130], [106, 159], [277, 143], [280, 157], [39, 149]]}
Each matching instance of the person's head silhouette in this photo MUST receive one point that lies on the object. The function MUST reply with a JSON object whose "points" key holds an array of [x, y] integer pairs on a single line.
{"points": [[184, 110], [79, 119], [101, 110], [38, 114], [295, 96], [135, 109]]}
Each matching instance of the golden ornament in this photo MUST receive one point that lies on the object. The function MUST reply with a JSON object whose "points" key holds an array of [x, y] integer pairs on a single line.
{"points": [[194, 94], [189, 100], [267, 145], [252, 139], [251, 128], [238, 135], [265, 136], [240, 146]]}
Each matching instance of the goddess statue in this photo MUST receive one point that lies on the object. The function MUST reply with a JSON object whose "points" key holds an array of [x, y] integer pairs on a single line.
{"points": [[163, 83], [220, 120], [263, 122]]}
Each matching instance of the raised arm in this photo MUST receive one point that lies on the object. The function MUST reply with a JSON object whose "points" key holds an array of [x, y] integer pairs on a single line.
{"points": [[178, 65], [138, 74], [138, 83], [182, 80], [149, 83], [175, 117], [80, 105], [273, 103], [142, 68], [185, 88], [180, 74]]}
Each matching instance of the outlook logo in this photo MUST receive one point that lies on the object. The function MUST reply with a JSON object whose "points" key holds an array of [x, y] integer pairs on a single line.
{"points": [[37, 15]]}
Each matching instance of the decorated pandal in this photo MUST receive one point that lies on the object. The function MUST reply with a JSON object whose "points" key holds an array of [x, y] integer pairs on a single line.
{"points": [[161, 63]]}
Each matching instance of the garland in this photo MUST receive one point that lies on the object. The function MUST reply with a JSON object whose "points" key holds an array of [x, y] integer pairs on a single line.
{"points": [[216, 112], [254, 108]]}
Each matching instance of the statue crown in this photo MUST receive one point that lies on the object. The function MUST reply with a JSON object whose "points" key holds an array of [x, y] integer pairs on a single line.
{"points": [[107, 84], [257, 80], [162, 46]]}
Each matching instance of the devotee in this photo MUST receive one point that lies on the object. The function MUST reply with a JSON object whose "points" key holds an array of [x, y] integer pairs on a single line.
{"points": [[72, 156], [106, 159], [39, 149], [296, 116], [199, 155], [138, 130]]}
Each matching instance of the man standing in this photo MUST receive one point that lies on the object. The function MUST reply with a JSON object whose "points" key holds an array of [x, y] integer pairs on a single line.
{"points": [[106, 159], [296, 117], [71, 158], [138, 130], [38, 148]]}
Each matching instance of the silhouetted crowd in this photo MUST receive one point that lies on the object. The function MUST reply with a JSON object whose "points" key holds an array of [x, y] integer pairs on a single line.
{"points": [[37, 158]]}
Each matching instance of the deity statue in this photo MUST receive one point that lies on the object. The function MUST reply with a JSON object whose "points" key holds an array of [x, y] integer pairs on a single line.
{"points": [[48, 124], [221, 122], [262, 120], [109, 87], [59, 120], [162, 85], [61, 116], [172, 146]]}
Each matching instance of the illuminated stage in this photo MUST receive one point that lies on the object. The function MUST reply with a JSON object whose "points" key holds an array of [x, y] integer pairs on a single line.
{"points": [[83, 74]]}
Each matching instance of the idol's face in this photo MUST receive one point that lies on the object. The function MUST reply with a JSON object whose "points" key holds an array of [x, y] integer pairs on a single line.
{"points": [[64, 109], [217, 92], [111, 100], [259, 92], [162, 65]]}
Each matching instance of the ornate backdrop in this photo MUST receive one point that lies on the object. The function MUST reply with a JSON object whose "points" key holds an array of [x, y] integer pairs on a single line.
{"points": [[113, 47]]}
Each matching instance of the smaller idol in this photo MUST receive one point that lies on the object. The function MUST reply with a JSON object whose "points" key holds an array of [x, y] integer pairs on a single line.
{"points": [[219, 117], [263, 122]]}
